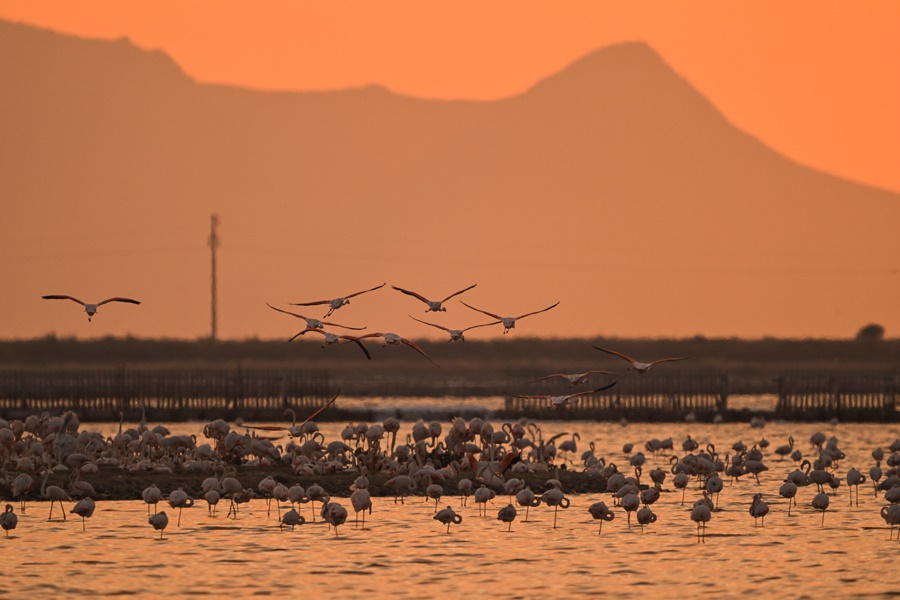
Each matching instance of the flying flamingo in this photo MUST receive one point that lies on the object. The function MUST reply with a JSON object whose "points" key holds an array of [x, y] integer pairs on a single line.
{"points": [[336, 303], [557, 401], [314, 323], [572, 378], [640, 367], [391, 339], [90, 309], [433, 306], [456, 335], [508, 322], [333, 338]]}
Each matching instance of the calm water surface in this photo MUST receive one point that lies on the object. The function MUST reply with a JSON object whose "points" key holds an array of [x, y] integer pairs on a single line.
{"points": [[404, 553]]}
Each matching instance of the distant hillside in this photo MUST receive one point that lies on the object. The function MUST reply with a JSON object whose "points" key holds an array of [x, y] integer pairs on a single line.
{"points": [[613, 186]]}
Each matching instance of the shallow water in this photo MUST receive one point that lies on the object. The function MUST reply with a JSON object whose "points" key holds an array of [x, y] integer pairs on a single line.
{"points": [[404, 553]]}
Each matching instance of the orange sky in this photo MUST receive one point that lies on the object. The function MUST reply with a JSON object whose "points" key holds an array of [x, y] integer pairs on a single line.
{"points": [[816, 80]]}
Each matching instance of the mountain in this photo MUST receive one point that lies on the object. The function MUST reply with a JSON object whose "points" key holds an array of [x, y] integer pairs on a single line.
{"points": [[612, 185]]}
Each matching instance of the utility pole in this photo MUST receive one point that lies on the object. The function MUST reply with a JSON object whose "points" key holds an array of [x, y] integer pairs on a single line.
{"points": [[213, 244]]}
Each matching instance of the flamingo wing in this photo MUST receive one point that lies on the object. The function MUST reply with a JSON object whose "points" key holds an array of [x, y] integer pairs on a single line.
{"points": [[287, 312], [592, 372], [427, 323], [668, 360], [356, 341], [342, 326], [552, 375], [320, 409], [537, 311], [459, 292], [527, 397], [305, 331], [419, 350], [619, 354], [482, 325], [377, 287], [317, 302], [59, 297], [413, 294], [484, 312], [117, 299]]}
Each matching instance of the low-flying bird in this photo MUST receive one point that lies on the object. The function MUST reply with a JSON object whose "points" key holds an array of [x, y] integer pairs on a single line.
{"points": [[573, 378], [556, 401], [333, 338], [433, 306], [638, 366], [336, 303], [90, 309], [456, 335], [314, 323], [391, 339], [508, 322]]}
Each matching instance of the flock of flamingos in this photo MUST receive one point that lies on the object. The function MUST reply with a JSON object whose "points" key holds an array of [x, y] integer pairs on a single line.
{"points": [[472, 459]]}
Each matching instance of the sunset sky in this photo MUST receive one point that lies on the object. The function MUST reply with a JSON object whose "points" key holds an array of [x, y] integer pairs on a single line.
{"points": [[815, 80]]}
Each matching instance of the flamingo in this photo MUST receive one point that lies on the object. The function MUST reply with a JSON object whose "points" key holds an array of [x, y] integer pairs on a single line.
{"points": [[90, 309], [700, 515], [292, 518], [8, 520], [159, 521], [179, 499], [788, 490], [820, 502], [456, 335], [599, 511], [391, 339], [557, 401], [508, 322], [854, 478], [314, 323], [645, 516], [556, 499], [334, 514], [640, 367], [527, 499], [151, 495], [336, 303], [333, 338], [448, 516], [758, 509], [432, 305], [785, 450], [630, 502], [890, 514], [507, 514], [572, 378], [84, 509], [361, 501], [54, 494]]}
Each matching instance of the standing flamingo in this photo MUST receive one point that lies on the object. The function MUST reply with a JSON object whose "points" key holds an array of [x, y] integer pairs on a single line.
{"points": [[599, 511], [448, 516], [84, 509], [700, 514], [820, 502], [8, 520], [90, 309], [151, 495], [361, 501], [54, 494], [179, 499], [159, 521], [758, 509], [507, 514]]}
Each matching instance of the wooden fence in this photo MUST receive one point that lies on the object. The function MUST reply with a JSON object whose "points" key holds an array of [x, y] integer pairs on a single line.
{"points": [[257, 394], [852, 398]]}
